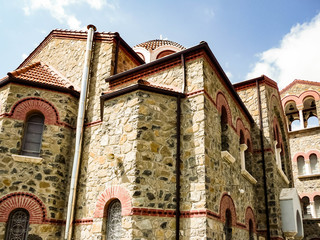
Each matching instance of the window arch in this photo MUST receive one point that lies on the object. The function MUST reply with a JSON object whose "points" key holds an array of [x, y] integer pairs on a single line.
{"points": [[18, 224], [301, 166], [317, 206], [306, 207], [32, 138], [310, 112], [114, 226], [228, 225]]}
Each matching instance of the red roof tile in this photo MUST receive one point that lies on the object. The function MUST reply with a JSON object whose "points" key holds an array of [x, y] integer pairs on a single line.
{"points": [[42, 73], [153, 44]]}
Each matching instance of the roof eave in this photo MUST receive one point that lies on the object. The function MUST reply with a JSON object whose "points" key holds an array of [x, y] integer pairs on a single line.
{"points": [[11, 79]]}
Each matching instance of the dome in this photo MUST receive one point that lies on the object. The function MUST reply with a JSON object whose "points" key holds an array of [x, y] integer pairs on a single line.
{"points": [[154, 44], [155, 49]]}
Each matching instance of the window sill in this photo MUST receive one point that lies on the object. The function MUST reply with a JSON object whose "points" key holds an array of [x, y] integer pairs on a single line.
{"points": [[227, 156], [27, 159], [248, 176], [283, 175], [316, 175]]}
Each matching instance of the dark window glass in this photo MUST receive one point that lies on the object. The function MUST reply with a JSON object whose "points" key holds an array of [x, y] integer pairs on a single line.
{"points": [[114, 226], [33, 135], [228, 225], [18, 224]]}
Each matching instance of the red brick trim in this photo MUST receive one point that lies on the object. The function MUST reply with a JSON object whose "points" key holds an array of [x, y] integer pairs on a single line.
{"points": [[21, 109], [300, 99], [222, 101], [153, 212], [111, 193], [28, 201], [305, 155], [84, 221], [90, 124], [227, 203], [250, 216], [311, 195], [277, 132]]}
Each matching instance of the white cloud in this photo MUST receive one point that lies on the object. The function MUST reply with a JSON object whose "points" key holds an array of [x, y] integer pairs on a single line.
{"points": [[24, 56], [57, 9], [297, 57]]}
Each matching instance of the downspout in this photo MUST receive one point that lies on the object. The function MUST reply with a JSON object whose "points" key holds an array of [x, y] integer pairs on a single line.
{"points": [[263, 161], [79, 133], [178, 159]]}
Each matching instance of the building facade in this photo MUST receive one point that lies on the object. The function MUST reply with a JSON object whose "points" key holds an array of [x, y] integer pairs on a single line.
{"points": [[170, 148], [301, 103]]}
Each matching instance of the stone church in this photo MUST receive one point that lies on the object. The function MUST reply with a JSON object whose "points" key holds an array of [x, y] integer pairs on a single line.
{"points": [[99, 140]]}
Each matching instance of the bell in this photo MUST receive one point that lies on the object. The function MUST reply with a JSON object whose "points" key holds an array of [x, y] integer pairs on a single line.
{"points": [[313, 104], [291, 107]]}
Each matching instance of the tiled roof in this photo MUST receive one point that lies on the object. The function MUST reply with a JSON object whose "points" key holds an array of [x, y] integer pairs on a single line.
{"points": [[41, 73], [153, 44]]}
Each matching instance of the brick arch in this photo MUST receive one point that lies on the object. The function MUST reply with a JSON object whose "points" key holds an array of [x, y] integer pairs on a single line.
{"points": [[240, 126], [222, 101], [28, 201], [111, 193], [311, 195], [316, 152], [250, 216], [227, 203], [276, 126], [21, 109], [305, 155], [290, 98], [298, 154], [309, 93]]}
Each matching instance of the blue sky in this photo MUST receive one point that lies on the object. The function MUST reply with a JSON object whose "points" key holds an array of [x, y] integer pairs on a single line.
{"points": [[278, 38]]}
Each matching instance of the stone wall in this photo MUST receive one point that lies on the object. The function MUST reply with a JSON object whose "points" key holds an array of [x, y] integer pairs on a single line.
{"points": [[271, 113], [47, 180]]}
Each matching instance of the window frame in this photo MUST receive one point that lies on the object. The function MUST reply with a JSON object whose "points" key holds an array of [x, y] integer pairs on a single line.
{"points": [[24, 150]]}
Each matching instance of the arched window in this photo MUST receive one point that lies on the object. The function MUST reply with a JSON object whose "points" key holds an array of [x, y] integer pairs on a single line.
{"points": [[114, 227], [224, 130], [292, 114], [251, 236], [228, 225], [165, 53], [18, 225], [317, 206], [32, 138], [314, 164], [301, 166], [282, 158], [306, 207], [310, 112]]}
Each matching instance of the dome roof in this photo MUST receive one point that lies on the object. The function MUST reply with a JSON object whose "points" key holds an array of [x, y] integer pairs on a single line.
{"points": [[154, 44]]}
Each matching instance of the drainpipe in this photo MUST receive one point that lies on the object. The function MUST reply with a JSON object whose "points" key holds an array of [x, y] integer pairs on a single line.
{"points": [[263, 162], [79, 133], [178, 159]]}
